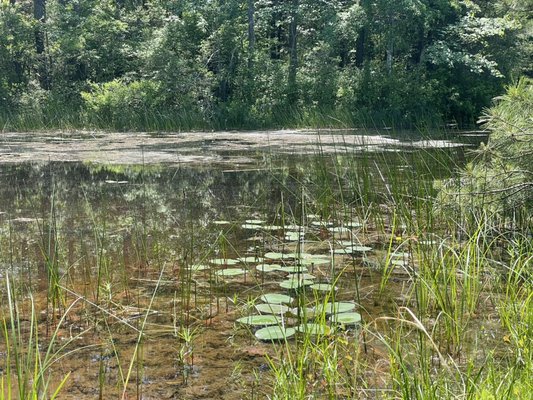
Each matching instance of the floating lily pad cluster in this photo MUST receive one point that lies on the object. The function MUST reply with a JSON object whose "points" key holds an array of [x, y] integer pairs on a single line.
{"points": [[276, 315], [277, 321]]}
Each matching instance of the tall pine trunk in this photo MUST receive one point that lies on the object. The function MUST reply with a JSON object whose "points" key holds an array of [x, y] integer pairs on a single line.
{"points": [[293, 51], [39, 13]]}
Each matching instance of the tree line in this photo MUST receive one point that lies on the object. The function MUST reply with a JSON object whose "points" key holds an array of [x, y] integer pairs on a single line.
{"points": [[172, 64]]}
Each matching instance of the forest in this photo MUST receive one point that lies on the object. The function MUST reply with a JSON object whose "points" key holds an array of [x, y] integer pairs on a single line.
{"points": [[176, 64]]}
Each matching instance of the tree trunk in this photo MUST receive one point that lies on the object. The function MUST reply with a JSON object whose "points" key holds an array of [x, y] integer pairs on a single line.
{"points": [[360, 48], [361, 45], [39, 13], [390, 44], [251, 36], [293, 51], [390, 50]]}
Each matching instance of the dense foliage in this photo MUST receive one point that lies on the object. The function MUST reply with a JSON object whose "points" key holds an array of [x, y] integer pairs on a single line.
{"points": [[244, 63]]}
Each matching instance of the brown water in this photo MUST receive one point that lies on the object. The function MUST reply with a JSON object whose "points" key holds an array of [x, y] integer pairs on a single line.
{"points": [[123, 216]]}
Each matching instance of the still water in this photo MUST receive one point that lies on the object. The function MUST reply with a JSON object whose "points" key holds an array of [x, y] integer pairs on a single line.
{"points": [[117, 234]]}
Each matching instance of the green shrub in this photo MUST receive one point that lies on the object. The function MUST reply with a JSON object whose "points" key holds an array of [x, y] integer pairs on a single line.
{"points": [[121, 104]]}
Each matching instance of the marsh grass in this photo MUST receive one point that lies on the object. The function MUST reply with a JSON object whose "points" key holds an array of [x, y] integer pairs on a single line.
{"points": [[29, 358], [438, 343]]}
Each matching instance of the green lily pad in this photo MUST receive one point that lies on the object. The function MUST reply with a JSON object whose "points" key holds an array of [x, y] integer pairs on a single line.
{"points": [[339, 229], [251, 226], [293, 227], [268, 267], [313, 329], [293, 236], [346, 318], [303, 312], [342, 251], [293, 269], [254, 221], [251, 259], [260, 320], [272, 227], [323, 287], [400, 262], [224, 261], [353, 224], [199, 267], [276, 256], [315, 261], [295, 283], [276, 298], [335, 308], [274, 333], [230, 272], [346, 243], [358, 249], [321, 223], [302, 255], [400, 255], [268, 308], [301, 275]]}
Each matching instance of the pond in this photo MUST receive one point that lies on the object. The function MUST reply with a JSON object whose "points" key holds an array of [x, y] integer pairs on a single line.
{"points": [[145, 257]]}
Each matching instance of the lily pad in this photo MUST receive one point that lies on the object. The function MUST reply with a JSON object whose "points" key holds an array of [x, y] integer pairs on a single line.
{"points": [[346, 243], [339, 229], [301, 275], [303, 312], [224, 261], [221, 222], [295, 283], [335, 308], [251, 226], [323, 287], [274, 333], [316, 260], [342, 251], [268, 308], [358, 249], [293, 236], [251, 259], [400, 254], [353, 224], [276, 256], [309, 256], [313, 329], [321, 223], [260, 320], [346, 318], [400, 262], [268, 267], [276, 298], [293, 227], [230, 272], [199, 267], [293, 269], [272, 227], [254, 221]]}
